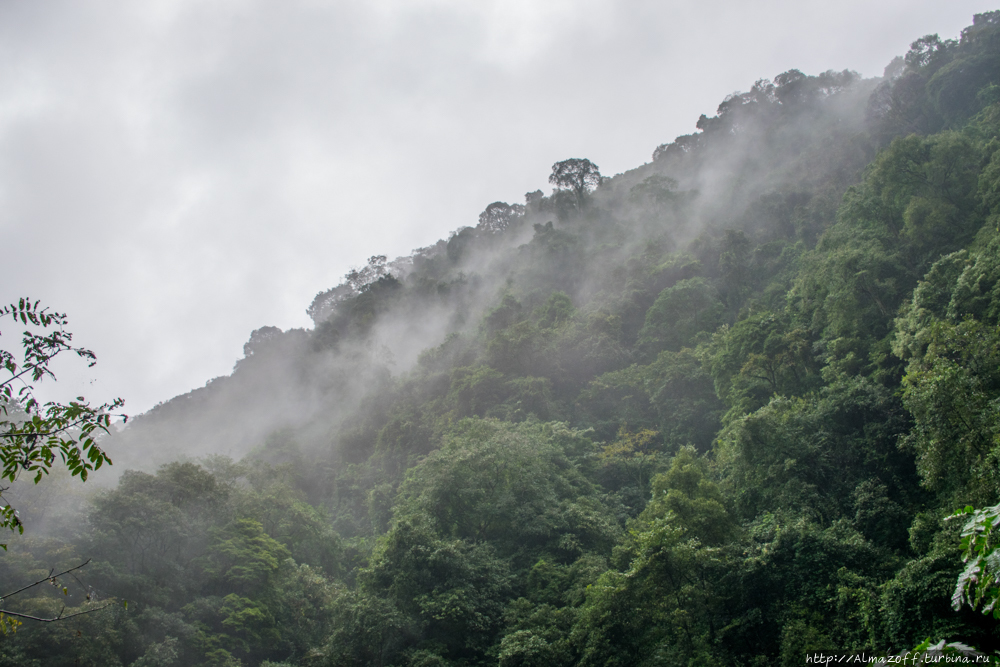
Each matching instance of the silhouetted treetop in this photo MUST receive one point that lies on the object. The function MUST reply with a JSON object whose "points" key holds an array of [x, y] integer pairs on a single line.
{"points": [[354, 283], [498, 216], [576, 174]]}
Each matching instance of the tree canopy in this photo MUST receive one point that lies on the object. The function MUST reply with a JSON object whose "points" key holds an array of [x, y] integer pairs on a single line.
{"points": [[578, 175], [717, 409]]}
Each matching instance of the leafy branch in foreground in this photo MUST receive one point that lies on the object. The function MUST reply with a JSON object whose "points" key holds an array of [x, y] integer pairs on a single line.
{"points": [[977, 586], [979, 583], [32, 434]]}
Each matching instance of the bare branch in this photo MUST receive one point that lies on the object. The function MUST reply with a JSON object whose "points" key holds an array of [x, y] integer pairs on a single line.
{"points": [[60, 617], [42, 581]]}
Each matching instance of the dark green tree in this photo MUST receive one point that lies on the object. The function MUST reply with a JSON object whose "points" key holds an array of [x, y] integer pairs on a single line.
{"points": [[579, 175]]}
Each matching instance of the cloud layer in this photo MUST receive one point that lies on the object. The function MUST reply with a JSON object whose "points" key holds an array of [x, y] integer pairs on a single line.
{"points": [[176, 174]]}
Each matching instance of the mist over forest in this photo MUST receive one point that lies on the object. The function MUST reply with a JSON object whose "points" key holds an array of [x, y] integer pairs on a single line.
{"points": [[714, 410]]}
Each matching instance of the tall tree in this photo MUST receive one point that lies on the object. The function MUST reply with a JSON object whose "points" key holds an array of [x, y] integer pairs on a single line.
{"points": [[577, 174], [498, 216]]}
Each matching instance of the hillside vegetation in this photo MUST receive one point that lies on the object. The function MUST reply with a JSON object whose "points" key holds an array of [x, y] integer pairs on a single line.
{"points": [[711, 411]]}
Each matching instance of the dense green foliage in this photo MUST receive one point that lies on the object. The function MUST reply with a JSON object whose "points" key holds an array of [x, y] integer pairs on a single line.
{"points": [[714, 410]]}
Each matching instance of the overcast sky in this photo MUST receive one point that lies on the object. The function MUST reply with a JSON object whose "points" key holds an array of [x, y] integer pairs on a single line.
{"points": [[175, 174]]}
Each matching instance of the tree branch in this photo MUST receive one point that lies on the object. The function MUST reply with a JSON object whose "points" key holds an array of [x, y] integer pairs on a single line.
{"points": [[16, 434], [30, 367], [42, 581], [60, 617]]}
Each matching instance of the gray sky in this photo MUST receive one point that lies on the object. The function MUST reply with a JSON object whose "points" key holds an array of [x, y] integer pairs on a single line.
{"points": [[175, 174]]}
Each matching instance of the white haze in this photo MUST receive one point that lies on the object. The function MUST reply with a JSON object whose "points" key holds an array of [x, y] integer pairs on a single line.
{"points": [[177, 174]]}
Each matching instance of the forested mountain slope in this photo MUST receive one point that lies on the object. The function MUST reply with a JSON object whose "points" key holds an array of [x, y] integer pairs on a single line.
{"points": [[713, 410]]}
